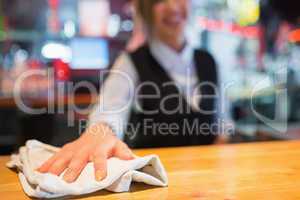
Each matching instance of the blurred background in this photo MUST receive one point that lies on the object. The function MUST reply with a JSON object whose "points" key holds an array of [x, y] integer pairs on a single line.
{"points": [[253, 41]]}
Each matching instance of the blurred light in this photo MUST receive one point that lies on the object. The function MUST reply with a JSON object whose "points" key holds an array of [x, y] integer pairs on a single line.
{"points": [[127, 25], [294, 36], [1, 22], [89, 53], [114, 25], [53, 4], [94, 17], [69, 29], [34, 64], [21, 55], [62, 70], [246, 12], [250, 32], [57, 51]]}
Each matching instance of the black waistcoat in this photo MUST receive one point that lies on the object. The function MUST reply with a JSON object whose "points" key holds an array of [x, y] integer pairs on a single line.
{"points": [[166, 119]]}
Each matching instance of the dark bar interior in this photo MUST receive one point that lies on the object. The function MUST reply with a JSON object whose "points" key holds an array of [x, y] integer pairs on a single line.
{"points": [[59, 61]]}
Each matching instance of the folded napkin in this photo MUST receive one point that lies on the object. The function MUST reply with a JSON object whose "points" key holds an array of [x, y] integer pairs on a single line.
{"points": [[120, 173]]}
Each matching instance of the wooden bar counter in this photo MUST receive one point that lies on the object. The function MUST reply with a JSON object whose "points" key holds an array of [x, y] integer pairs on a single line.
{"points": [[254, 171]]}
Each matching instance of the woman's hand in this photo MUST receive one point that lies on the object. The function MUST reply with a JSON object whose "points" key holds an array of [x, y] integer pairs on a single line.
{"points": [[96, 145]]}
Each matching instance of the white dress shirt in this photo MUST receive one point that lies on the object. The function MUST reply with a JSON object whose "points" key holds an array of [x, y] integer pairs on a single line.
{"points": [[117, 92]]}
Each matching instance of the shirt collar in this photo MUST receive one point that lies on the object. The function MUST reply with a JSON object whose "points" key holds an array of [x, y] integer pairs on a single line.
{"points": [[168, 57]]}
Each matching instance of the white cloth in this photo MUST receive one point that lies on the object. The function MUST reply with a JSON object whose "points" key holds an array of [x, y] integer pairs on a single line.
{"points": [[120, 174]]}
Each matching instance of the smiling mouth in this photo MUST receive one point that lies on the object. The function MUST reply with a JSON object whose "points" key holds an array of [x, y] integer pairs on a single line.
{"points": [[175, 21]]}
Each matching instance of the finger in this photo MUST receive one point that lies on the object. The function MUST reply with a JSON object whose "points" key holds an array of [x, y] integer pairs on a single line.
{"points": [[60, 164], [123, 152], [100, 165], [75, 167], [46, 165]]}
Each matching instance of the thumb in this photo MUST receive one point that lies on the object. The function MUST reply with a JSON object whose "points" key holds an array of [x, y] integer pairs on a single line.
{"points": [[123, 152]]}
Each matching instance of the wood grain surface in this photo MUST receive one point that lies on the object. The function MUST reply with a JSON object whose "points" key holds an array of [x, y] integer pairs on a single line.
{"points": [[254, 171]]}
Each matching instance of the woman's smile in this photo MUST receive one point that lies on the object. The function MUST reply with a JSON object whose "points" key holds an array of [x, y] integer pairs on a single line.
{"points": [[174, 20]]}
